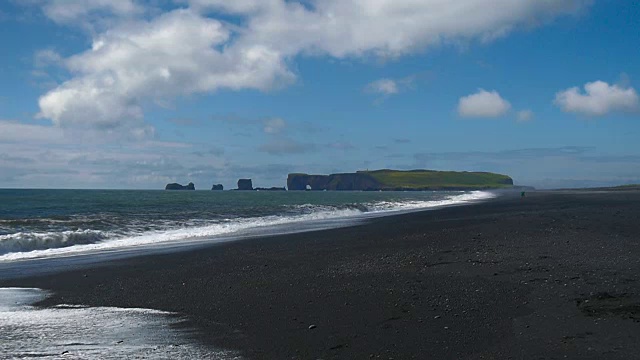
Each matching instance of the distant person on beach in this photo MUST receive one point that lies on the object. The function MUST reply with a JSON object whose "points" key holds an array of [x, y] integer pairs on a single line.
{"points": [[522, 194]]}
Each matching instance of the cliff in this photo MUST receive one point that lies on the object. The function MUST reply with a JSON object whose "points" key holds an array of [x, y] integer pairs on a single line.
{"points": [[348, 181], [390, 180], [245, 184], [176, 186]]}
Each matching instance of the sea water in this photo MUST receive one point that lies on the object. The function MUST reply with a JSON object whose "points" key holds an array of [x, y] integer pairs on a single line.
{"points": [[37, 224]]}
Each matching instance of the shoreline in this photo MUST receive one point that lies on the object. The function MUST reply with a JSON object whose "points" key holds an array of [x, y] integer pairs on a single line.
{"points": [[508, 277], [34, 264]]}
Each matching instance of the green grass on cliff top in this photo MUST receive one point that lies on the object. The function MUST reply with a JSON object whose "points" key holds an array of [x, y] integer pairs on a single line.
{"points": [[438, 179]]}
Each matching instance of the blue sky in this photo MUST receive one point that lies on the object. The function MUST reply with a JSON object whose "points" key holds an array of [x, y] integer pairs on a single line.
{"points": [[136, 94]]}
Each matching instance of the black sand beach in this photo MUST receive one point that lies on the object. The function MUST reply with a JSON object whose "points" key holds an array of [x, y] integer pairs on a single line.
{"points": [[554, 275]]}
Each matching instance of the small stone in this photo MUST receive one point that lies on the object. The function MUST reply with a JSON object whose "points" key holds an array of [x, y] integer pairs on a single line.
{"points": [[437, 317], [311, 327]]}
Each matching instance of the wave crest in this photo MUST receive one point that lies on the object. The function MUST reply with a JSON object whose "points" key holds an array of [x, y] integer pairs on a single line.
{"points": [[29, 245], [25, 241]]}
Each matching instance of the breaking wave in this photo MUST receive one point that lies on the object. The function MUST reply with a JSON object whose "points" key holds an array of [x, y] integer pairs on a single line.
{"points": [[20, 242], [295, 218]]}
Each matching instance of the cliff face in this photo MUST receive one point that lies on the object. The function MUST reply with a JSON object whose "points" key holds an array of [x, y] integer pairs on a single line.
{"points": [[386, 180], [176, 186], [349, 181]]}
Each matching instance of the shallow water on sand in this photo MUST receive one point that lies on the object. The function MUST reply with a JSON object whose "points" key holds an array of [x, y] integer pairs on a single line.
{"points": [[76, 332]]}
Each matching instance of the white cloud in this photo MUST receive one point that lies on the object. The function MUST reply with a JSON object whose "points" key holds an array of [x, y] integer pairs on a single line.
{"points": [[47, 57], [66, 11], [274, 126], [598, 99], [383, 86], [485, 104], [388, 27], [524, 116], [234, 7], [174, 54], [15, 132], [185, 51], [387, 86]]}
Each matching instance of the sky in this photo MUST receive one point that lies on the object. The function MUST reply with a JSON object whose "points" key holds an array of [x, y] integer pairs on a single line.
{"points": [[135, 94]]}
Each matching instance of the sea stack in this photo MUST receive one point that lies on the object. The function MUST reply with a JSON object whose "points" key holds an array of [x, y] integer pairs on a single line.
{"points": [[176, 186], [217, 187], [245, 184]]}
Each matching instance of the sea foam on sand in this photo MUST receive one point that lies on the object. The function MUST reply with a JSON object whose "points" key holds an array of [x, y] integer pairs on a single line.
{"points": [[43, 245], [80, 332]]}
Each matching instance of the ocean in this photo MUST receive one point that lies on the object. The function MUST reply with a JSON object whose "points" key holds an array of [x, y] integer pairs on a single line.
{"points": [[49, 230], [42, 224]]}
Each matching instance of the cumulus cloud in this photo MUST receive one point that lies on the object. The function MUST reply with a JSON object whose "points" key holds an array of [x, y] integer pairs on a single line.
{"points": [[183, 51], [483, 104], [387, 27], [598, 99], [174, 54], [524, 115]]}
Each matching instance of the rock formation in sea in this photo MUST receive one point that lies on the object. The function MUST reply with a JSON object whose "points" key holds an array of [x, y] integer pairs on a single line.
{"points": [[396, 180], [176, 186], [245, 184], [217, 187]]}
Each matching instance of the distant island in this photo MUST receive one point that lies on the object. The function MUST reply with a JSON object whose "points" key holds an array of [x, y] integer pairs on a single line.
{"points": [[176, 186], [397, 180], [380, 180], [247, 184]]}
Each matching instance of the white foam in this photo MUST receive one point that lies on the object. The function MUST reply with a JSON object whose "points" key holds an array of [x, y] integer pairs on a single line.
{"points": [[213, 232], [23, 241], [417, 205], [91, 332]]}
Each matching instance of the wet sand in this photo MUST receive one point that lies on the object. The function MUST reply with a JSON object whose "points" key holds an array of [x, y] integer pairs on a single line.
{"points": [[554, 275]]}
